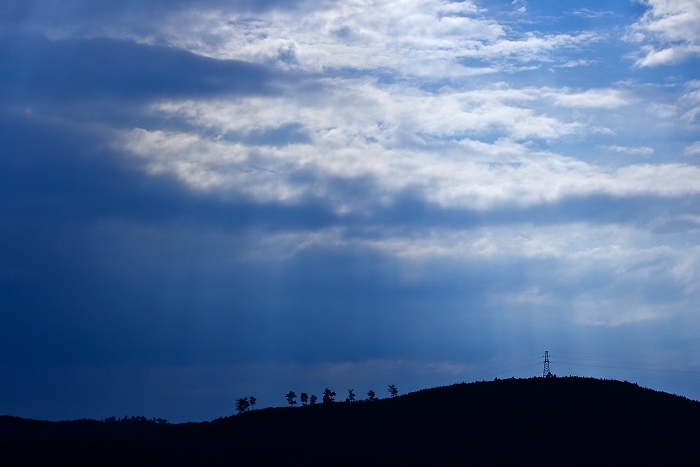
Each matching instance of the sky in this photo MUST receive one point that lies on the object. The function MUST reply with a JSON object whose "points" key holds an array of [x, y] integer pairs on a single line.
{"points": [[201, 201]]}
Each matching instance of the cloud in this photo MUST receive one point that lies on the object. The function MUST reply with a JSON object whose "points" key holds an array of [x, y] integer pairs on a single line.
{"points": [[530, 296], [588, 13], [420, 38], [643, 151], [620, 247], [690, 101], [685, 109], [83, 69], [687, 271], [664, 110], [693, 149], [575, 63], [609, 275], [61, 18], [671, 27], [394, 138], [596, 312], [592, 98]]}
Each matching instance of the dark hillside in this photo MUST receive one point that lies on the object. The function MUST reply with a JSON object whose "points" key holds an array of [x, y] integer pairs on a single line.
{"points": [[556, 421]]}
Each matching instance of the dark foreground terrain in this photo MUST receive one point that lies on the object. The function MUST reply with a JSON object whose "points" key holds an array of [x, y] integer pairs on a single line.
{"points": [[555, 421]]}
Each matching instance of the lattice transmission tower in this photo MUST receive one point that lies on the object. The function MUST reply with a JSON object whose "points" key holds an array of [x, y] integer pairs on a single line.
{"points": [[546, 373]]}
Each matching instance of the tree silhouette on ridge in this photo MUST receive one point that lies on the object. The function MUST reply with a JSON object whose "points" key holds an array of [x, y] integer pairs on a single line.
{"points": [[328, 396]]}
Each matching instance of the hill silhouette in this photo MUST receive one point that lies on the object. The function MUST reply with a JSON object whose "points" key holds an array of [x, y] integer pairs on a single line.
{"points": [[542, 421]]}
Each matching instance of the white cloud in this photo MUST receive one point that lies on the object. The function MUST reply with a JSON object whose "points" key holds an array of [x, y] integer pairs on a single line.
{"points": [[693, 149], [643, 150], [667, 56], [392, 115], [685, 110], [664, 110], [690, 101], [399, 138], [672, 28], [421, 38], [591, 98], [587, 13], [575, 63]]}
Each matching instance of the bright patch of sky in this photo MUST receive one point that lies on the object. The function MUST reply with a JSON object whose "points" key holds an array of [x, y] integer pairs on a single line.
{"points": [[367, 157]]}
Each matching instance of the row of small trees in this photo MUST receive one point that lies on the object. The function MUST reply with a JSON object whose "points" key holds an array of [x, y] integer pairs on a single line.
{"points": [[329, 396], [246, 403]]}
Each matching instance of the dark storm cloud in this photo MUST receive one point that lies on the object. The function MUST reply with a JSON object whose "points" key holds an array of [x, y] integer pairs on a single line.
{"points": [[55, 172], [33, 67], [28, 13]]}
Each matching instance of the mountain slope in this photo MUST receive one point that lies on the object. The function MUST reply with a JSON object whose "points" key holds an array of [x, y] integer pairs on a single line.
{"points": [[569, 421]]}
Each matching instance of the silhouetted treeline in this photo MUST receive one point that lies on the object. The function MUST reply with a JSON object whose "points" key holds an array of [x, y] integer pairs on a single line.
{"points": [[328, 396], [537, 421], [135, 420]]}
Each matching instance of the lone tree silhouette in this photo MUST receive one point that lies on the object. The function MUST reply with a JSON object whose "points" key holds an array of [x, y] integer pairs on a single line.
{"points": [[290, 396], [328, 396], [371, 395], [351, 396], [304, 398], [242, 405], [253, 400], [313, 399], [393, 391]]}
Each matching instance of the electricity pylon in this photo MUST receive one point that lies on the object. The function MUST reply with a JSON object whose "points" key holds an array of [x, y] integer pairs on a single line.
{"points": [[546, 373]]}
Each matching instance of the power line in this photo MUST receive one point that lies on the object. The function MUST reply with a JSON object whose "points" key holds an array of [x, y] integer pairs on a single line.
{"points": [[615, 361], [631, 368], [608, 354]]}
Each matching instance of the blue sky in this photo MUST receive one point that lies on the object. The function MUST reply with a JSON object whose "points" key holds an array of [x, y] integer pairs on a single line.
{"points": [[201, 201]]}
